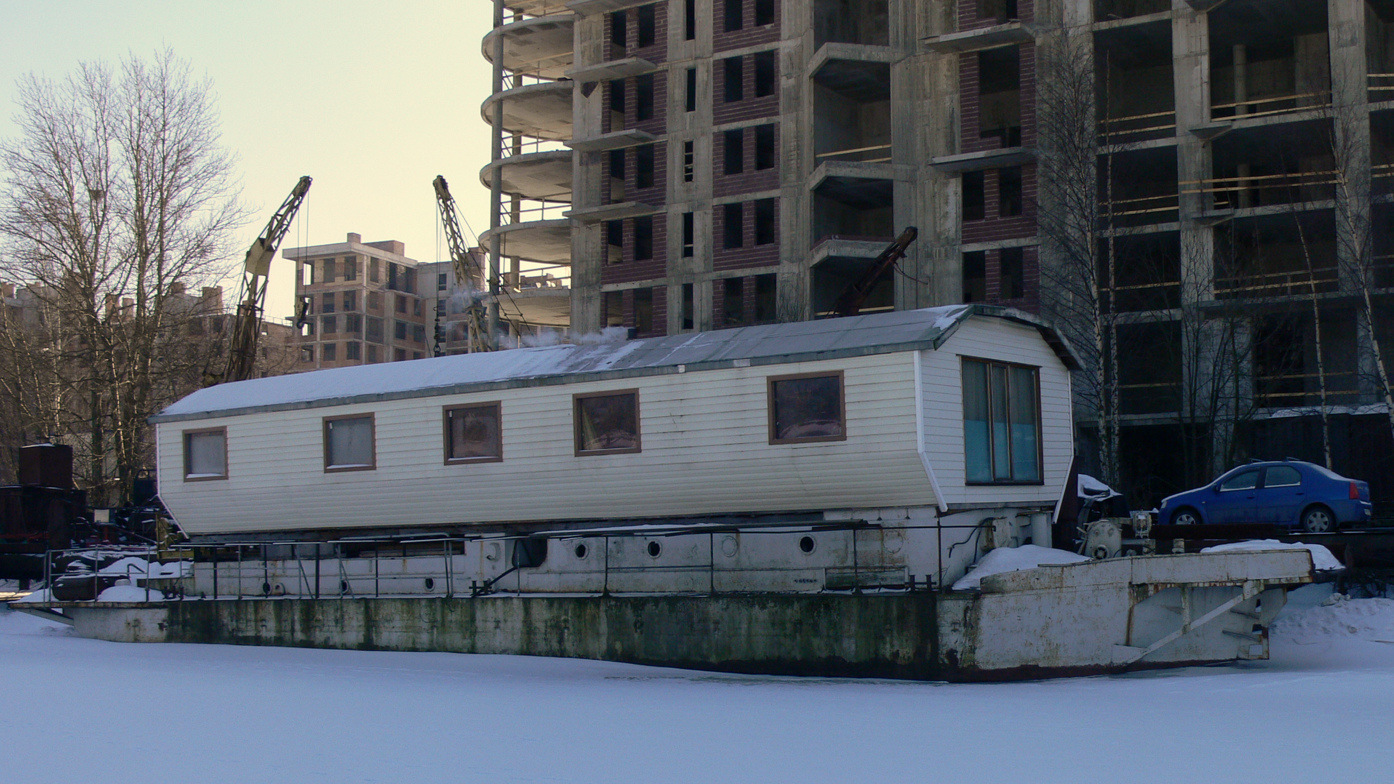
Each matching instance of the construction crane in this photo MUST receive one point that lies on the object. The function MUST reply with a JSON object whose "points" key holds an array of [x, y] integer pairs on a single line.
{"points": [[849, 303], [469, 274], [242, 351]]}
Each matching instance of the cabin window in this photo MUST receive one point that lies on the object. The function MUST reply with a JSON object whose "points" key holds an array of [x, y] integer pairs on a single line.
{"points": [[807, 407], [205, 454], [349, 443], [1001, 423], [472, 434], [607, 423]]}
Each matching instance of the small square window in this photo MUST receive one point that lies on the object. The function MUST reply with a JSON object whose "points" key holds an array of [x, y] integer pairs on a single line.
{"points": [[764, 221], [733, 225], [643, 238], [807, 407], [733, 70], [350, 268], [764, 74], [349, 443], [328, 303], [647, 19], [473, 434], [205, 454], [732, 15], [330, 352], [353, 350], [733, 151], [974, 201], [643, 97], [607, 423]]}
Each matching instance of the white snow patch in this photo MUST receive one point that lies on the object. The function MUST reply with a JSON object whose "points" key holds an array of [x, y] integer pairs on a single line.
{"points": [[1322, 559], [129, 593], [1015, 559], [137, 567], [1340, 616], [41, 596], [1089, 487]]}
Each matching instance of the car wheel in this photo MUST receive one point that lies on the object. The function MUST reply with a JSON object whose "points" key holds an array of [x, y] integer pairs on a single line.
{"points": [[1185, 516], [1318, 520]]}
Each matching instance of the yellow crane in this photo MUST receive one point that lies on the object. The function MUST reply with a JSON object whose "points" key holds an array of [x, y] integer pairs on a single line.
{"points": [[469, 274], [246, 329]]}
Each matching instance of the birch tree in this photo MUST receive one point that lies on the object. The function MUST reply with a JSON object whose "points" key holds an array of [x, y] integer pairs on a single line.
{"points": [[119, 196]]}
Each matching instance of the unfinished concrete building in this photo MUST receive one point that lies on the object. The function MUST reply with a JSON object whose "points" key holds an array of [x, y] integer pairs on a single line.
{"points": [[1210, 180]]}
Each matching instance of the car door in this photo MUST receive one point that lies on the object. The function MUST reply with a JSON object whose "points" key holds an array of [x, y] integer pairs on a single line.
{"points": [[1235, 498], [1281, 497]]}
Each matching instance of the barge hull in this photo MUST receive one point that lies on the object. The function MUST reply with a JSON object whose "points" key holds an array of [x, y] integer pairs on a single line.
{"points": [[1097, 617]]}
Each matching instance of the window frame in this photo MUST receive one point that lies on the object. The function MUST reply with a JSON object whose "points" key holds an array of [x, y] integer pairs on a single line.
{"points": [[1040, 426], [576, 399], [770, 381], [184, 440], [372, 441], [497, 407]]}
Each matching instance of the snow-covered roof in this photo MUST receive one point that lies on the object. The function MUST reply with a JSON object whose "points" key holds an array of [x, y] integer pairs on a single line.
{"points": [[760, 345]]}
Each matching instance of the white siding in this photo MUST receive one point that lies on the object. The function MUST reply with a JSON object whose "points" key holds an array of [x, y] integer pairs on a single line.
{"points": [[942, 388], [705, 451]]}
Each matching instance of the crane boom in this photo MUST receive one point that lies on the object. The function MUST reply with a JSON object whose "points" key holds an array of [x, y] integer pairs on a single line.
{"points": [[242, 352], [849, 303], [469, 274]]}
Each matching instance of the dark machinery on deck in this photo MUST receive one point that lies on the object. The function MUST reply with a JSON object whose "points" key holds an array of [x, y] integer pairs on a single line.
{"points": [[246, 329], [41, 513]]}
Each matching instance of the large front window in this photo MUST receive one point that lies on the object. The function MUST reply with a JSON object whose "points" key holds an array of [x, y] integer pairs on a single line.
{"points": [[1001, 422]]}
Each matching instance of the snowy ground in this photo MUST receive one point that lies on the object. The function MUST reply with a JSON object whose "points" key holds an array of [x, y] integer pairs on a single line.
{"points": [[77, 710]]}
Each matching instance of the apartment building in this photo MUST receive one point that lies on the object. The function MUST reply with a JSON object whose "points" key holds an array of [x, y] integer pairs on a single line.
{"points": [[696, 164], [359, 303]]}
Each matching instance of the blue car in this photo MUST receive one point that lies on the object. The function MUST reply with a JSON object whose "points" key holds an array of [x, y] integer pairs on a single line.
{"points": [[1287, 493]]}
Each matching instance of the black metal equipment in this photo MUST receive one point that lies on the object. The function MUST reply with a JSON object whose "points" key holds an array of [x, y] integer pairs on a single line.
{"points": [[849, 303]]}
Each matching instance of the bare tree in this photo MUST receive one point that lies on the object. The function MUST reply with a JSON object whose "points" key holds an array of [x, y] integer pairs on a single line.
{"points": [[119, 195], [1076, 265]]}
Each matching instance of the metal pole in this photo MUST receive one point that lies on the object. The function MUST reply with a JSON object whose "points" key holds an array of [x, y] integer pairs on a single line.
{"points": [[447, 569], [377, 554], [711, 563], [239, 572], [317, 559], [856, 565], [606, 590], [215, 573], [496, 186]]}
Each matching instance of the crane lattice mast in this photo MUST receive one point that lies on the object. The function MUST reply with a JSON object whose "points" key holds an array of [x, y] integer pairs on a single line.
{"points": [[469, 273], [242, 352]]}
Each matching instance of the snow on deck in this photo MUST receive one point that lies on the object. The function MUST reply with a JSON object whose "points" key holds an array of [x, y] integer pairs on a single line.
{"points": [[440, 375], [85, 710]]}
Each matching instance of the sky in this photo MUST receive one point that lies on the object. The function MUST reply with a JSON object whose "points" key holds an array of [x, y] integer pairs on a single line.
{"points": [[371, 99]]}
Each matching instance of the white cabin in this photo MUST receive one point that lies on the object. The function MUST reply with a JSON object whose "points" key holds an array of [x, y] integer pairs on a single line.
{"points": [[926, 420]]}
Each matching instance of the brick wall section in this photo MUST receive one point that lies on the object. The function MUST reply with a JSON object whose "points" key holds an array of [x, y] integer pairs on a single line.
{"points": [[749, 34], [652, 195], [748, 304], [630, 270], [750, 107], [749, 254], [1031, 281], [995, 227], [971, 136], [970, 18], [656, 53], [749, 180], [660, 311]]}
